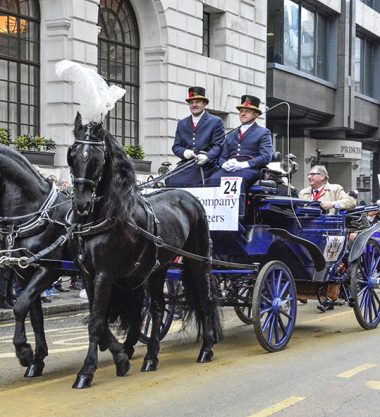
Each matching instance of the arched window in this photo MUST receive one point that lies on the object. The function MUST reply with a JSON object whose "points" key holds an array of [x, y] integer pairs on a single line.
{"points": [[119, 64], [19, 66]]}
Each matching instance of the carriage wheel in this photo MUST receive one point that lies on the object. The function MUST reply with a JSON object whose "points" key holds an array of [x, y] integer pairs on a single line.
{"points": [[274, 306], [169, 291], [244, 309], [365, 286]]}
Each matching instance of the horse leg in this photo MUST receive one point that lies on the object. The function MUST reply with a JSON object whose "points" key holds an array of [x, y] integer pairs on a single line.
{"points": [[120, 357], [41, 350], [135, 300], [98, 331], [157, 306], [196, 275], [31, 292]]}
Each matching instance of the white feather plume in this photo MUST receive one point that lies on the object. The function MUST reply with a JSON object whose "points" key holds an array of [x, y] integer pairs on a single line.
{"points": [[95, 97]]}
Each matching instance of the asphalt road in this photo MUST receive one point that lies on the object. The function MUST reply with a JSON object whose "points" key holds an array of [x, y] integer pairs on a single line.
{"points": [[330, 368]]}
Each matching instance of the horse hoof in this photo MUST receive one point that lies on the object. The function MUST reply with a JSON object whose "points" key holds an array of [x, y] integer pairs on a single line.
{"points": [[122, 368], [35, 369], [83, 381], [205, 356], [149, 365]]}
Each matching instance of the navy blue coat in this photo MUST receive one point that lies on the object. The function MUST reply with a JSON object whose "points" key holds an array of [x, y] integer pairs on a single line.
{"points": [[208, 136], [255, 147]]}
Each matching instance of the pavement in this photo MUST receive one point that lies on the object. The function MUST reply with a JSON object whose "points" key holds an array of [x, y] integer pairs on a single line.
{"points": [[64, 302]]}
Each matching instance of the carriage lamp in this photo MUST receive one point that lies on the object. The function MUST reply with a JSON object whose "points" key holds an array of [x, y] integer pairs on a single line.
{"points": [[289, 165]]}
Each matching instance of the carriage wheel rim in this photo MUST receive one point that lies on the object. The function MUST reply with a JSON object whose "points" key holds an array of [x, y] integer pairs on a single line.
{"points": [[277, 309], [367, 303]]}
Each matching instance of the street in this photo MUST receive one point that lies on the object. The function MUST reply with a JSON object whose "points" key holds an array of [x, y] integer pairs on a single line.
{"points": [[331, 367]]}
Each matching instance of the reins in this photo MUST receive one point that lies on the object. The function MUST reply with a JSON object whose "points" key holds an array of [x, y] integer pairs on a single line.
{"points": [[182, 167]]}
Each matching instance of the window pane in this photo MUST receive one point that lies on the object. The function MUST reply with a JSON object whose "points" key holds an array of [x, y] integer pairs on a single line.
{"points": [[367, 68], [291, 33], [322, 46], [357, 74], [307, 41], [119, 61]]}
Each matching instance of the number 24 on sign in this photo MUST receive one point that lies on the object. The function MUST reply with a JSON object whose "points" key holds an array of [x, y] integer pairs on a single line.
{"points": [[231, 186]]}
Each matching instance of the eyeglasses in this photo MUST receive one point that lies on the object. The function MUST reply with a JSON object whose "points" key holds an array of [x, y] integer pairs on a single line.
{"points": [[313, 173]]}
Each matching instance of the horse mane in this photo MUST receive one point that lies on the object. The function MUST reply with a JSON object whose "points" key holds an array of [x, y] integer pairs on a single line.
{"points": [[119, 182]]}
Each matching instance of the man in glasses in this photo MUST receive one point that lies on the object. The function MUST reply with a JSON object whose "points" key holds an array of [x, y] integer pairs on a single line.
{"points": [[331, 196]]}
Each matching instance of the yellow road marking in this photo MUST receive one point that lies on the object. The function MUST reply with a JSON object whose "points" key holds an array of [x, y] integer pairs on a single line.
{"points": [[275, 408], [51, 351], [325, 317], [48, 319], [374, 385], [357, 370]]}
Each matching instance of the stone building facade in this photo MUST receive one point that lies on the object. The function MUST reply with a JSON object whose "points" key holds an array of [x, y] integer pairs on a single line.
{"points": [[174, 52]]}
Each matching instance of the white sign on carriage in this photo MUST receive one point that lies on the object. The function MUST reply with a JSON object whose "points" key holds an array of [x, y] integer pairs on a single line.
{"points": [[221, 203]]}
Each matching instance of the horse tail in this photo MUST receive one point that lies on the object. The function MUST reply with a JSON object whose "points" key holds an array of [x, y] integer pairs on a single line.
{"points": [[125, 308], [200, 288]]}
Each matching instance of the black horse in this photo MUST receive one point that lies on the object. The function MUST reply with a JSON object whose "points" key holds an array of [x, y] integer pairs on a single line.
{"points": [[32, 212], [116, 244], [32, 217]]}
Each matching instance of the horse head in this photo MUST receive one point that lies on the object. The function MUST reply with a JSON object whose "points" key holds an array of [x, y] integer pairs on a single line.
{"points": [[86, 159]]}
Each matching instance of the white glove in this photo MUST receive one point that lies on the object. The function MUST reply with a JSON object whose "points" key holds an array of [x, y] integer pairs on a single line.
{"points": [[227, 166], [201, 159], [188, 154], [241, 165]]}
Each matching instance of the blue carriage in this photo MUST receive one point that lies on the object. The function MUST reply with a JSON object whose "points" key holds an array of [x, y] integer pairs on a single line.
{"points": [[287, 250]]}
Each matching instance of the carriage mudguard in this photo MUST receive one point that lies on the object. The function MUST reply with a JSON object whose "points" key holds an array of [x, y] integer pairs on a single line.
{"points": [[313, 249], [361, 241]]}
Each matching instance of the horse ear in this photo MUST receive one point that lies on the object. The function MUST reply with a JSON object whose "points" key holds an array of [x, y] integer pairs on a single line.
{"points": [[78, 122]]}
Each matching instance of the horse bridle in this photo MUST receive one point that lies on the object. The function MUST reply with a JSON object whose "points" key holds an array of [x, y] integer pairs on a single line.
{"points": [[100, 145]]}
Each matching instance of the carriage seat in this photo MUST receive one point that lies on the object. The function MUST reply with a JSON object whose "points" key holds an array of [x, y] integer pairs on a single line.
{"points": [[264, 185]]}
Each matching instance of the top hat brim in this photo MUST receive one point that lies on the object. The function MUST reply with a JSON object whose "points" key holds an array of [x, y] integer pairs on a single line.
{"points": [[256, 109], [197, 98]]}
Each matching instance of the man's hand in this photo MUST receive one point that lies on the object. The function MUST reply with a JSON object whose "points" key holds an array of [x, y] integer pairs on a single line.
{"points": [[188, 154], [241, 165], [327, 205], [201, 159], [229, 165]]}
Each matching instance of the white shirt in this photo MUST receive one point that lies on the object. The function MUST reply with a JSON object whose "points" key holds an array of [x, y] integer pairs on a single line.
{"points": [[244, 128], [197, 118]]}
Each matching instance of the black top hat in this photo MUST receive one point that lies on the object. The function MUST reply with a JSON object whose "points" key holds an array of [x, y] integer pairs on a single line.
{"points": [[197, 93], [250, 102]]}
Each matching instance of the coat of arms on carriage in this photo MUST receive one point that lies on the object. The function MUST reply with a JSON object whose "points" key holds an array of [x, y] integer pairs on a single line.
{"points": [[333, 248]]}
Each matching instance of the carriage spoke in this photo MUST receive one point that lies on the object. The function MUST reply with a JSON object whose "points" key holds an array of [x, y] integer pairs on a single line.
{"points": [[266, 310], [377, 297], [276, 325], [283, 328], [280, 274], [284, 289], [267, 320], [269, 290], [271, 325]]}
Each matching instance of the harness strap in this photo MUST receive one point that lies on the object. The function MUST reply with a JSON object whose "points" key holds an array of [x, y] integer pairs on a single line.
{"points": [[59, 242], [160, 243]]}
